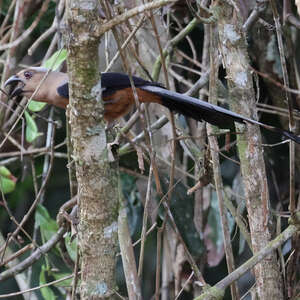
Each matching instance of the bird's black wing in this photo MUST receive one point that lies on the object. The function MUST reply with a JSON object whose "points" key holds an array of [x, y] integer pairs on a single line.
{"points": [[111, 82]]}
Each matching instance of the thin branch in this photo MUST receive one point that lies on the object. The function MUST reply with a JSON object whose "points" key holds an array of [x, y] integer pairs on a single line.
{"points": [[220, 287], [289, 102], [35, 203], [28, 31], [37, 288], [35, 256], [213, 98], [100, 30], [259, 8], [128, 259], [49, 31], [144, 227]]}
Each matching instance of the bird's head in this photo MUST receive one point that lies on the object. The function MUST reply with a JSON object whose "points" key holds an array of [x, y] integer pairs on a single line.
{"points": [[40, 83], [25, 82]]}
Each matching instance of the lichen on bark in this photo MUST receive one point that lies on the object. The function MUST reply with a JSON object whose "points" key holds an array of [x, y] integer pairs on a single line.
{"points": [[97, 176], [233, 47]]}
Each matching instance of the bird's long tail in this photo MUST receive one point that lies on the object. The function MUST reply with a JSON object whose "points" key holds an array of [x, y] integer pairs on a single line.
{"points": [[204, 111]]}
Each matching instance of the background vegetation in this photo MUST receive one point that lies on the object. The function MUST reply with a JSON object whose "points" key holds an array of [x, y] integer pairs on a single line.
{"points": [[173, 195]]}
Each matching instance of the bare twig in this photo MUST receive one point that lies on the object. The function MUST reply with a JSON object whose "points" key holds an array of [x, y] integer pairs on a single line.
{"points": [[128, 260], [28, 31], [213, 98], [49, 31], [35, 256], [260, 255], [36, 288], [144, 227], [289, 102], [35, 202], [129, 14]]}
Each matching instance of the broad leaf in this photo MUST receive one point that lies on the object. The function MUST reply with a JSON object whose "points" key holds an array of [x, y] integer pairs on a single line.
{"points": [[7, 181], [56, 59], [31, 128], [47, 225], [47, 293]]}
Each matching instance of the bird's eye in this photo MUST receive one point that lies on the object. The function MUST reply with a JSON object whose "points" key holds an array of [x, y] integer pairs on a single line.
{"points": [[27, 74]]}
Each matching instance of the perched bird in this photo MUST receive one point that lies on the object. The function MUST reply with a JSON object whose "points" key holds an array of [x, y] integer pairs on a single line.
{"points": [[118, 97]]}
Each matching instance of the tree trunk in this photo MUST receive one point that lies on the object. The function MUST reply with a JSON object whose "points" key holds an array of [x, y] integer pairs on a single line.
{"points": [[97, 177], [233, 47]]}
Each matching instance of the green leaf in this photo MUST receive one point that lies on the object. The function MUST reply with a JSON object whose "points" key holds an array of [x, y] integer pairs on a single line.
{"points": [[47, 292], [47, 225], [7, 181], [64, 283], [71, 246], [4, 172], [36, 105], [31, 128], [7, 185], [56, 59]]}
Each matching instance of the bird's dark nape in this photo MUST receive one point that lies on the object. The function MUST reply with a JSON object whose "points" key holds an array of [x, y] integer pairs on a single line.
{"points": [[63, 90]]}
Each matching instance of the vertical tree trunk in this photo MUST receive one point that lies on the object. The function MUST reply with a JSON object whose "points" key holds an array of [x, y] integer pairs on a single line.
{"points": [[233, 47], [97, 177]]}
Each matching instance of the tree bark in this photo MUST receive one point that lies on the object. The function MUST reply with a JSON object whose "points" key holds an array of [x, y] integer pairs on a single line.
{"points": [[233, 47], [97, 177]]}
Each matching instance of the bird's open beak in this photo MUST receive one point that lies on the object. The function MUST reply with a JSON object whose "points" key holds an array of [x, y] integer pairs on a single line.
{"points": [[16, 86]]}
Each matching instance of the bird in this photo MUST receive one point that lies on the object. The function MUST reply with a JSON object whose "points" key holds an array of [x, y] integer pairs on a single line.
{"points": [[118, 97]]}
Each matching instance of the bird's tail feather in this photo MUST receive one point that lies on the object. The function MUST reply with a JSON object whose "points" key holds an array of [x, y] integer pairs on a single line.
{"points": [[204, 111], [288, 134]]}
